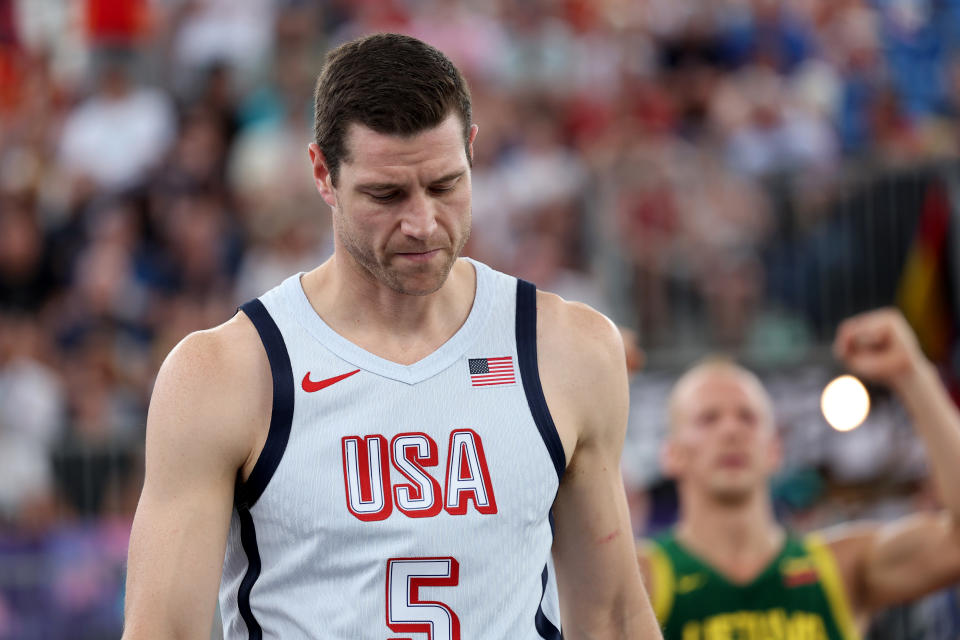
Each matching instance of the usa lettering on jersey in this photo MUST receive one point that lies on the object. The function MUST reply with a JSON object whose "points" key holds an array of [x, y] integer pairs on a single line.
{"points": [[372, 493]]}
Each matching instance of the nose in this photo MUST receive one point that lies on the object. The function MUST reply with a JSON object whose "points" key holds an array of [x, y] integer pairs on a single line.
{"points": [[733, 429], [419, 217]]}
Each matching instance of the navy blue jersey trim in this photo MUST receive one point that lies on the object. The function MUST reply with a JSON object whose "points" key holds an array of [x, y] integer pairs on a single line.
{"points": [[544, 627], [248, 538], [527, 358], [281, 415]]}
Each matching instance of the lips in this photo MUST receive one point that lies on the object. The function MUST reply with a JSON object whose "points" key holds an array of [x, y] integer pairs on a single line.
{"points": [[732, 461], [418, 256]]}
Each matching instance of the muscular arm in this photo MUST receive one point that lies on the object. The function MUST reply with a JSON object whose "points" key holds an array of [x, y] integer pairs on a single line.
{"points": [[912, 556], [584, 374], [657, 574], [199, 433]]}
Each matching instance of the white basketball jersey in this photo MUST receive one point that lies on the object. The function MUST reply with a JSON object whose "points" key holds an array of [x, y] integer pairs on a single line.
{"points": [[399, 501]]}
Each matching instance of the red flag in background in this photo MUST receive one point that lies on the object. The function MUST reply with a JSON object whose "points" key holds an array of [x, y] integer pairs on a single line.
{"points": [[924, 291]]}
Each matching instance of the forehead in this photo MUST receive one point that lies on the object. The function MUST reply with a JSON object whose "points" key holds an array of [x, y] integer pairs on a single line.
{"points": [[380, 155], [720, 386]]}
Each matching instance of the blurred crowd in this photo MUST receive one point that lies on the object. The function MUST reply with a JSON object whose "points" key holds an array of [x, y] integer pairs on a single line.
{"points": [[153, 175]]}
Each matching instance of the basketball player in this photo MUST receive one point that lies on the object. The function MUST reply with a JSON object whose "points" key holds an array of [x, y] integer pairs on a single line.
{"points": [[390, 445], [729, 570]]}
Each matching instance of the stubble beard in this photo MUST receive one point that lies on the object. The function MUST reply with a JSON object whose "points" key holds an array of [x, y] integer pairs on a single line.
{"points": [[422, 280]]}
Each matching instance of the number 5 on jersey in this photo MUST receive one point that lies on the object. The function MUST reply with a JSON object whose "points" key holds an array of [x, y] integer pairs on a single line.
{"points": [[406, 612]]}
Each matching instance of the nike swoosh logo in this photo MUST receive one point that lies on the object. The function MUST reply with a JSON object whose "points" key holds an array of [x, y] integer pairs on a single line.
{"points": [[310, 386]]}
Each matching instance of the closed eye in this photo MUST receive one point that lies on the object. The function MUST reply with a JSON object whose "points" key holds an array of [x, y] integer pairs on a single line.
{"points": [[384, 197], [708, 418], [444, 187]]}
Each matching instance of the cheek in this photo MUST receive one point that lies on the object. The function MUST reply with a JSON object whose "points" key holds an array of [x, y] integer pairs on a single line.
{"points": [[694, 453], [361, 220], [457, 205], [455, 216]]}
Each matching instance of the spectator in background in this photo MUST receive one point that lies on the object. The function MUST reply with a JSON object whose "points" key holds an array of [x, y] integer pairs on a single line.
{"points": [[118, 134], [32, 412], [857, 55], [26, 282], [237, 32], [768, 33], [766, 132]]}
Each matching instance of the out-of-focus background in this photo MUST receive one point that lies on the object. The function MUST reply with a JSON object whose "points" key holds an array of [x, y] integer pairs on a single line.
{"points": [[733, 175]]}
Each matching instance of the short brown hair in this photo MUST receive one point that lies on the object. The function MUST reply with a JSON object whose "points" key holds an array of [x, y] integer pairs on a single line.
{"points": [[391, 83]]}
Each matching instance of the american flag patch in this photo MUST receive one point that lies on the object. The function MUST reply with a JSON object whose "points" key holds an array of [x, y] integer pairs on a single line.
{"points": [[486, 372]]}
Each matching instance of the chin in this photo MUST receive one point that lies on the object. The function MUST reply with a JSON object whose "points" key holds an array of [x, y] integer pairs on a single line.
{"points": [[733, 491], [415, 284], [418, 282]]}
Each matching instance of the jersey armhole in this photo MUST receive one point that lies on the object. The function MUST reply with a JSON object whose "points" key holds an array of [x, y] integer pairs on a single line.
{"points": [[281, 414], [526, 331], [662, 581], [833, 586]]}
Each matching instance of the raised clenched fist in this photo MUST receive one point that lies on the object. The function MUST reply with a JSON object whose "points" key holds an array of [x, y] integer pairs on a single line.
{"points": [[879, 346]]}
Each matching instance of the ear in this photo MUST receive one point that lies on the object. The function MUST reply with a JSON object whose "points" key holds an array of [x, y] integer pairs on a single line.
{"points": [[321, 174], [473, 136]]}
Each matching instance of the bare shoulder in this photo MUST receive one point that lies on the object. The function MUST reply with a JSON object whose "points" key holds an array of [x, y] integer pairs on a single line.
{"points": [[847, 543], [574, 334], [234, 343], [841, 537], [844, 534], [896, 561], [854, 543], [214, 388], [583, 369]]}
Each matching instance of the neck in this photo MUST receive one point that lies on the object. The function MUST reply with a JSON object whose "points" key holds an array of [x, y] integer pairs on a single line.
{"points": [[399, 327], [742, 533]]}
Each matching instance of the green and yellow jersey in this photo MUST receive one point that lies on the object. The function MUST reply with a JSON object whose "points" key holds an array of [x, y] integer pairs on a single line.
{"points": [[799, 596]]}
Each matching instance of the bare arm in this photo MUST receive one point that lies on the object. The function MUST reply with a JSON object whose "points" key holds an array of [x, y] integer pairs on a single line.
{"points": [[584, 373], [646, 571], [199, 428], [918, 554], [658, 578]]}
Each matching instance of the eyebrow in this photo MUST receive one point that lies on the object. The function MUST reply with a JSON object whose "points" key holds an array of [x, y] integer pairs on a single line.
{"points": [[386, 186]]}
